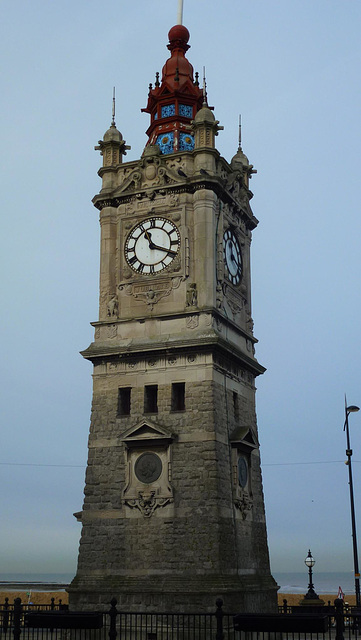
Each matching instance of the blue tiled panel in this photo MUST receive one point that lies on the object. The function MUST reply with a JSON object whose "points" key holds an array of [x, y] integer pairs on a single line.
{"points": [[186, 142], [168, 110], [185, 110], [166, 142]]}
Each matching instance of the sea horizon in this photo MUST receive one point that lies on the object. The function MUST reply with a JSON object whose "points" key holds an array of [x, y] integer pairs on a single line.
{"points": [[327, 582], [289, 582]]}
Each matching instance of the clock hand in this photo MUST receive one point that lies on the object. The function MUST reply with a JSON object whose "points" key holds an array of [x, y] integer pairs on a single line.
{"points": [[148, 236], [156, 246], [233, 257]]}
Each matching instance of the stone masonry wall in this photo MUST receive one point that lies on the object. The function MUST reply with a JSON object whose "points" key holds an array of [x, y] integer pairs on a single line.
{"points": [[200, 530]]}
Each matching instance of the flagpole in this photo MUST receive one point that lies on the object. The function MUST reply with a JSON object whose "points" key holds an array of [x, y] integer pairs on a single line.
{"points": [[180, 12]]}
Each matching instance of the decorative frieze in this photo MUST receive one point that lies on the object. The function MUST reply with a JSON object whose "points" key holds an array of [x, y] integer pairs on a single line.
{"points": [[153, 292]]}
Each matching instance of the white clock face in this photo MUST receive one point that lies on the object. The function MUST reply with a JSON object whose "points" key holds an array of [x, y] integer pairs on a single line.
{"points": [[232, 256], [152, 245]]}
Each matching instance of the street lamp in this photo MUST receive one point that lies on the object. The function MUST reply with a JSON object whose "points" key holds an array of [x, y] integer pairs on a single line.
{"points": [[311, 593], [352, 409]]}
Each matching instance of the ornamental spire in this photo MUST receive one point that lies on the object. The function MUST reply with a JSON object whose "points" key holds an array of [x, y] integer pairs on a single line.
{"points": [[112, 147], [174, 101], [113, 109]]}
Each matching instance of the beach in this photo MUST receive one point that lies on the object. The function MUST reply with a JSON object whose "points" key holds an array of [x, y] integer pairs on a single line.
{"points": [[34, 596]]}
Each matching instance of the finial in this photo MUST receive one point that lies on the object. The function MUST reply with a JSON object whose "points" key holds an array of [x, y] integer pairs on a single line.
{"points": [[157, 83], [113, 109], [196, 82], [204, 88], [240, 133], [180, 12]]}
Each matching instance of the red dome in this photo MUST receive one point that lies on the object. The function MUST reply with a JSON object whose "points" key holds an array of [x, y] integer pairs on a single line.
{"points": [[178, 32], [175, 99]]}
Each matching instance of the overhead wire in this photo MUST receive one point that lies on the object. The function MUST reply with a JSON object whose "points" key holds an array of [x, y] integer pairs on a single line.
{"points": [[82, 466]]}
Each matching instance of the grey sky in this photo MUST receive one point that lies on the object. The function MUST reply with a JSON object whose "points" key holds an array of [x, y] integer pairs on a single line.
{"points": [[291, 67]]}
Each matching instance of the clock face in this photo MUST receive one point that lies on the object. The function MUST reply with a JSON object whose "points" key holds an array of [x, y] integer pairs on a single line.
{"points": [[232, 256], [152, 245]]}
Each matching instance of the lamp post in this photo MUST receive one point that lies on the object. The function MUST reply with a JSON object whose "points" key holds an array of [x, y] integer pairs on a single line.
{"points": [[311, 593], [352, 409]]}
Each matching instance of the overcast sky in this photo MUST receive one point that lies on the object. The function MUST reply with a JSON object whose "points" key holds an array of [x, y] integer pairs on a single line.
{"points": [[292, 69]]}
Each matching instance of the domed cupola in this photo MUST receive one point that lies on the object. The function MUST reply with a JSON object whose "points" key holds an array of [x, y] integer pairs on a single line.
{"points": [[174, 102], [240, 161], [113, 147]]}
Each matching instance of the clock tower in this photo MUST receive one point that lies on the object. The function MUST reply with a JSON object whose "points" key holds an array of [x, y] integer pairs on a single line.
{"points": [[173, 514]]}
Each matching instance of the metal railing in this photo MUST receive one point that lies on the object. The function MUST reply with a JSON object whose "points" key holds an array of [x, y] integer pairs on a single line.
{"points": [[54, 622]]}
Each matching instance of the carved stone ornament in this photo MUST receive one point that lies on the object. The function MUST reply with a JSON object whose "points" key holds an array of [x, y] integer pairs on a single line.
{"points": [[148, 465], [219, 295], [173, 199], [192, 322], [147, 502], [244, 504], [235, 304], [113, 307], [250, 324], [191, 296], [151, 173], [111, 331], [153, 292], [244, 442]]}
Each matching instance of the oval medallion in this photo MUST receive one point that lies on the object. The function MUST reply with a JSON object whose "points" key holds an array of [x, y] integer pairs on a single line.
{"points": [[148, 467]]}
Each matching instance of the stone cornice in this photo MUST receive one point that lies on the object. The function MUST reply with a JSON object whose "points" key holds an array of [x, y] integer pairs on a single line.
{"points": [[192, 184], [207, 342]]}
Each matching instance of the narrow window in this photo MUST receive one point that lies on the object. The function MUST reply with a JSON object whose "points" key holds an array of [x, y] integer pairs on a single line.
{"points": [[178, 396], [151, 398], [124, 401], [235, 405]]}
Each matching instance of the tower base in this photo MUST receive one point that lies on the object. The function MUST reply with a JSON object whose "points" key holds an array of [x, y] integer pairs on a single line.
{"points": [[197, 594]]}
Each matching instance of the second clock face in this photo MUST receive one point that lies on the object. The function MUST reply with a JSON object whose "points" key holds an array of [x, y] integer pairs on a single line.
{"points": [[232, 256], [152, 245]]}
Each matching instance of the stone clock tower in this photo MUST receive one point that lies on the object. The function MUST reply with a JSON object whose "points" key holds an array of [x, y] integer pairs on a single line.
{"points": [[173, 514]]}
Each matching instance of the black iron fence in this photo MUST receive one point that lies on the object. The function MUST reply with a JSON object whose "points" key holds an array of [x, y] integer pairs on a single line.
{"points": [[30, 606], [55, 622]]}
